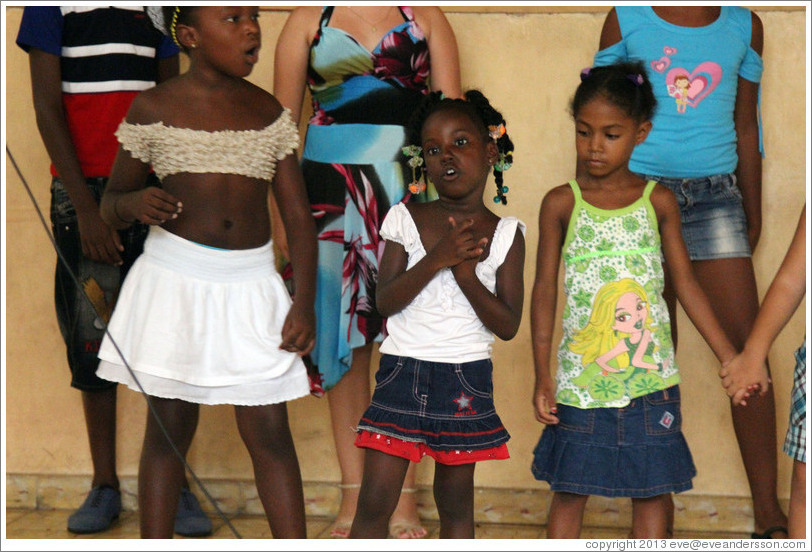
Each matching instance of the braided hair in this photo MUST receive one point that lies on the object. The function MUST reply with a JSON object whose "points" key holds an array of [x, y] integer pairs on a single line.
{"points": [[477, 107]]}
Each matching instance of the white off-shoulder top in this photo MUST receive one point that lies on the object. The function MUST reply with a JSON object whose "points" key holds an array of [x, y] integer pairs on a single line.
{"points": [[440, 325], [171, 150]]}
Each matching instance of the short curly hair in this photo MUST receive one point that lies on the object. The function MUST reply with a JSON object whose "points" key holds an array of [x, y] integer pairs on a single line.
{"points": [[624, 84]]}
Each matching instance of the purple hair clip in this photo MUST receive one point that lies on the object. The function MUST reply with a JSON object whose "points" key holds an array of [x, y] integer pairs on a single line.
{"points": [[637, 79], [585, 73]]}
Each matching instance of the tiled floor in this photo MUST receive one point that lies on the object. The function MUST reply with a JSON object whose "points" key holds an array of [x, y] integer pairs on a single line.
{"points": [[51, 524]]}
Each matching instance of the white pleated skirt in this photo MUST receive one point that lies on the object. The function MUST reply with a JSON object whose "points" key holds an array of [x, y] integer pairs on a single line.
{"points": [[204, 325]]}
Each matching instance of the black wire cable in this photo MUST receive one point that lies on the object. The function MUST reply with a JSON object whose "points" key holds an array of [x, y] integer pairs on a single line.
{"points": [[120, 354]]}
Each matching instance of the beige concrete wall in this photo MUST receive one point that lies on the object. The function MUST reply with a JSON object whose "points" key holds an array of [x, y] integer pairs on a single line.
{"points": [[527, 60]]}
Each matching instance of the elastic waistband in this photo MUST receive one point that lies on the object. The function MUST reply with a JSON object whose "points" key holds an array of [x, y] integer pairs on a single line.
{"points": [[175, 253], [353, 143]]}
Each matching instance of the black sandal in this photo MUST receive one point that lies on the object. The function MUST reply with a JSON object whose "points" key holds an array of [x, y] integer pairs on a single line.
{"points": [[768, 534]]}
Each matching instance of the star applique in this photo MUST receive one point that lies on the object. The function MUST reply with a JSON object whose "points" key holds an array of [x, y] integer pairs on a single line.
{"points": [[463, 401]]}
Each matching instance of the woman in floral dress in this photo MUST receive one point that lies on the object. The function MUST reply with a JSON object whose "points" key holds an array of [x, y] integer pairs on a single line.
{"points": [[367, 69]]}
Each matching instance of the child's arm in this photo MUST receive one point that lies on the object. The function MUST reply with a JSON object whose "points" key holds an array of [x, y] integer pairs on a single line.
{"points": [[745, 117], [126, 197], [289, 83], [553, 220], [785, 294], [299, 329], [689, 292], [501, 313], [397, 287], [99, 242]]}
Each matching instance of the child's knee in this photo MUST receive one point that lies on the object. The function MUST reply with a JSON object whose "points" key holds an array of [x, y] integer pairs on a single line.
{"points": [[570, 499]]}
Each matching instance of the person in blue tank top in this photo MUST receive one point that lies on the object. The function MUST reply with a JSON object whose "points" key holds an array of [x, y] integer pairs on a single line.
{"points": [[367, 68], [612, 413], [705, 65]]}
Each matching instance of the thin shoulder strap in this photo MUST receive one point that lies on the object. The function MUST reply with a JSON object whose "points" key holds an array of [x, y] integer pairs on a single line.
{"points": [[576, 191], [649, 188], [407, 13], [576, 208], [326, 14], [651, 213]]}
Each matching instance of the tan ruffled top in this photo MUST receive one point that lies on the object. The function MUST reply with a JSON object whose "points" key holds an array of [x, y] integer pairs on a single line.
{"points": [[251, 153]]}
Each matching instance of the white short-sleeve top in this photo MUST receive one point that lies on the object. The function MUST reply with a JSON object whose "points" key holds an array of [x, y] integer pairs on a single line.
{"points": [[440, 325]]}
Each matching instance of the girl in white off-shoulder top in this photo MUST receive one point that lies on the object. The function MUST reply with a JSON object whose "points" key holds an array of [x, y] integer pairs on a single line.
{"points": [[204, 317]]}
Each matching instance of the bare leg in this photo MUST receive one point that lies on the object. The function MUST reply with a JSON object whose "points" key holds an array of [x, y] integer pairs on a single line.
{"points": [[380, 489], [348, 401], [650, 517], [566, 515], [797, 501], [266, 434], [405, 521], [454, 495], [100, 420], [731, 289], [160, 472], [670, 297]]}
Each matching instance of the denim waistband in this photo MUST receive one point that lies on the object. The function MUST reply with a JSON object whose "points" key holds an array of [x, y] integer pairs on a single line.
{"points": [[692, 182]]}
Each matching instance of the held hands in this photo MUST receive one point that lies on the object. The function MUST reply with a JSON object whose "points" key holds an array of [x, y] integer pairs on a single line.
{"points": [[743, 375], [457, 248], [544, 402], [299, 330]]}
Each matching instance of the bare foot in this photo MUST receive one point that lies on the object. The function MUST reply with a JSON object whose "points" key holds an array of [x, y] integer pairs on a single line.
{"points": [[405, 522], [346, 510]]}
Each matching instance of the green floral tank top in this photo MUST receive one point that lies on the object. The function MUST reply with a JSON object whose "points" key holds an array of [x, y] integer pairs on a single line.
{"points": [[616, 341]]}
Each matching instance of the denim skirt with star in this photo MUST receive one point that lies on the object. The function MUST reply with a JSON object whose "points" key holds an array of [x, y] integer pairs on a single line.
{"points": [[442, 410]]}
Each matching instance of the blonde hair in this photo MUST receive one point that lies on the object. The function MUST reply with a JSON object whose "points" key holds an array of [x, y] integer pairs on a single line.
{"points": [[597, 336]]}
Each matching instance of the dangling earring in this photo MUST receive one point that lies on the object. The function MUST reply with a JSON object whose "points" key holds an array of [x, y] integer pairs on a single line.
{"points": [[415, 161]]}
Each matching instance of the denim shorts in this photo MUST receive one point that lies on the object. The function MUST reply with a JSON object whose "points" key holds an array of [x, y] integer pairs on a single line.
{"points": [[714, 225], [637, 451], [82, 311], [446, 407]]}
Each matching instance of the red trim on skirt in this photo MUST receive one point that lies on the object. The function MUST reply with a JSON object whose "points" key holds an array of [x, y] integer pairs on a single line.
{"points": [[413, 451]]}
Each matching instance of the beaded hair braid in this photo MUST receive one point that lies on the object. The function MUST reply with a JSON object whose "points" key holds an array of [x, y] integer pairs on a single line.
{"points": [[167, 18], [480, 110]]}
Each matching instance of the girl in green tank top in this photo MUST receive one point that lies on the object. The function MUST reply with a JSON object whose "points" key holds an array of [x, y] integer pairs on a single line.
{"points": [[615, 393]]}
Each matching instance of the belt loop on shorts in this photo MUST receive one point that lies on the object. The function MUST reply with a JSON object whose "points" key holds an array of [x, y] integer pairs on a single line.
{"points": [[685, 188]]}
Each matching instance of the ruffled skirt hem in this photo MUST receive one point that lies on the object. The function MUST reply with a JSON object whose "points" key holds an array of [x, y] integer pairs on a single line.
{"points": [[634, 471], [415, 451], [273, 391]]}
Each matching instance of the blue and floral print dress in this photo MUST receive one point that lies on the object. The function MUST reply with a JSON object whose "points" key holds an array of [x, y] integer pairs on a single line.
{"points": [[354, 170]]}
